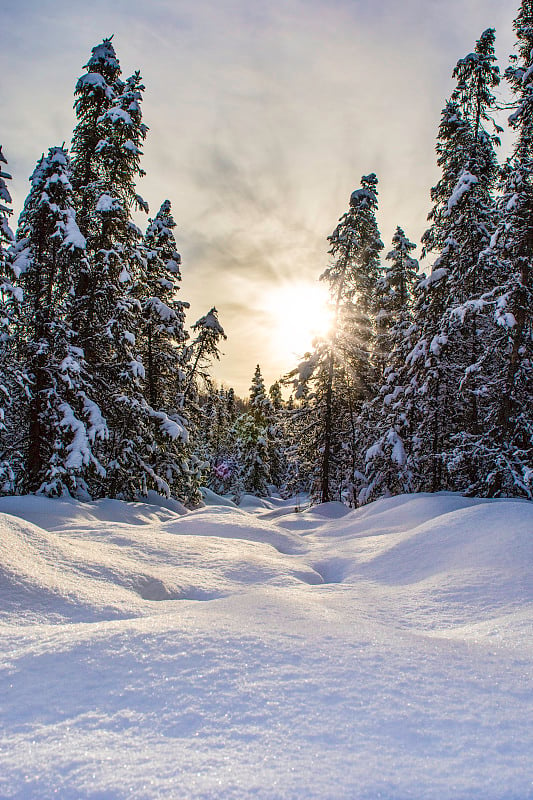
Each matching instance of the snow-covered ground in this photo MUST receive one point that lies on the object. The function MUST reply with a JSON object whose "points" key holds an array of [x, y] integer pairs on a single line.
{"points": [[256, 652]]}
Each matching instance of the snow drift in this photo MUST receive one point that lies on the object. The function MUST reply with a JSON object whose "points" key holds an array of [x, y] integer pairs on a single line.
{"points": [[227, 653]]}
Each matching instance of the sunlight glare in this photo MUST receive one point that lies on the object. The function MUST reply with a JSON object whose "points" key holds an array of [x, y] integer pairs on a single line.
{"points": [[300, 313]]}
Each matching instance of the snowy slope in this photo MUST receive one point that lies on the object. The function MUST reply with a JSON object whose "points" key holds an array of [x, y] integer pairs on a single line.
{"points": [[260, 653]]}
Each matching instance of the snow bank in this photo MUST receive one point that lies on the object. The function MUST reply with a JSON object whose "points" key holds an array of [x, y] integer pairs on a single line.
{"points": [[227, 653]]}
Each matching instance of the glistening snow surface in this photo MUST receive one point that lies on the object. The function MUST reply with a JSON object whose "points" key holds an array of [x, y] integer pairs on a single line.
{"points": [[256, 652]]}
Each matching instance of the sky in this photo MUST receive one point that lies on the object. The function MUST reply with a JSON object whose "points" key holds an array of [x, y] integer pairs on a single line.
{"points": [[263, 116]]}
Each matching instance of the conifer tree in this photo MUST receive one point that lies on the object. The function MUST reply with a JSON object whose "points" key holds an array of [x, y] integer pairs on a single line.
{"points": [[252, 440], [506, 450], [342, 368], [445, 361], [6, 234], [386, 419], [63, 421], [162, 327], [199, 355], [107, 313], [13, 378], [277, 439]]}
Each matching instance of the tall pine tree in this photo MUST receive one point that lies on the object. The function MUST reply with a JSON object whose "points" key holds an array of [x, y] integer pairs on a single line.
{"points": [[342, 368], [63, 421]]}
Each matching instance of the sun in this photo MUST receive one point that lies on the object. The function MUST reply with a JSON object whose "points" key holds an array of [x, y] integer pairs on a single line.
{"points": [[300, 313]]}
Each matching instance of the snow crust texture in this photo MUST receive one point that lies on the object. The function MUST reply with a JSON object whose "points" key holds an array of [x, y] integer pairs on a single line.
{"points": [[254, 652]]}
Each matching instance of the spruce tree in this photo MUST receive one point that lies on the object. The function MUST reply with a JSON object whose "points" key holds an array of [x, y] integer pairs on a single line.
{"points": [[447, 360], [386, 419], [507, 447], [162, 326], [252, 440], [63, 423], [342, 368], [199, 355], [13, 377], [277, 438], [107, 145]]}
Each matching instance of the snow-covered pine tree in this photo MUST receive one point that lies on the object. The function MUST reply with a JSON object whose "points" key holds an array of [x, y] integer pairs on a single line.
{"points": [[385, 420], [252, 440], [447, 360], [472, 210], [299, 453], [160, 342], [342, 370], [191, 381], [162, 329], [13, 378], [394, 295], [277, 438], [95, 93], [259, 399], [215, 440], [6, 234], [61, 420], [506, 450], [107, 148], [199, 355]]}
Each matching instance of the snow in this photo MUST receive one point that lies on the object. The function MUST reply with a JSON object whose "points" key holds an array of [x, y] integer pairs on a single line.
{"points": [[106, 204], [148, 652], [79, 452], [163, 311], [73, 238], [22, 262], [464, 184], [116, 114], [171, 426], [92, 79]]}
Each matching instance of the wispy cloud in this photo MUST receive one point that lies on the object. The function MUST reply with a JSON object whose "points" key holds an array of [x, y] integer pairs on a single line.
{"points": [[263, 117]]}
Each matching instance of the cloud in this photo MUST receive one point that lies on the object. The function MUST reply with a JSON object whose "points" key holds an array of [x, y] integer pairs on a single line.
{"points": [[263, 117]]}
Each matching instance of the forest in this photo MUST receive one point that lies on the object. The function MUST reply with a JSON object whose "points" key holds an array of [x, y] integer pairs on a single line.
{"points": [[423, 383]]}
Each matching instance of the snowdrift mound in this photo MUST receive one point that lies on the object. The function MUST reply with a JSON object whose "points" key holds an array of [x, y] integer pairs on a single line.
{"points": [[40, 577], [234, 523], [487, 538], [435, 562], [103, 560], [64, 513]]}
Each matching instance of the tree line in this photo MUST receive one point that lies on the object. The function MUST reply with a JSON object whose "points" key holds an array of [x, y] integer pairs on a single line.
{"points": [[424, 382], [99, 377]]}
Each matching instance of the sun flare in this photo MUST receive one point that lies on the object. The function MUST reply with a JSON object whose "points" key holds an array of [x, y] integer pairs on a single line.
{"points": [[300, 313]]}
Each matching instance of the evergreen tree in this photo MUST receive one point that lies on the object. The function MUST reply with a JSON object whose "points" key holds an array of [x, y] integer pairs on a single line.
{"points": [[160, 342], [342, 368], [200, 354], [63, 421], [107, 313], [277, 438], [162, 329], [13, 377], [252, 440], [6, 234], [506, 450], [386, 419], [447, 359]]}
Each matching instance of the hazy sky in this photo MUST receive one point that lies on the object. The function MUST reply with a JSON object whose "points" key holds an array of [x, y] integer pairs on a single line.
{"points": [[263, 116]]}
